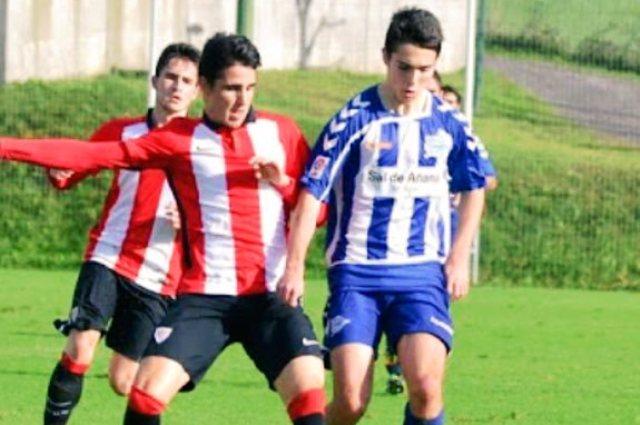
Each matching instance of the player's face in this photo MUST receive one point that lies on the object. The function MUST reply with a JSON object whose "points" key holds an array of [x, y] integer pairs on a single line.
{"points": [[176, 86], [409, 69], [229, 99], [451, 99]]}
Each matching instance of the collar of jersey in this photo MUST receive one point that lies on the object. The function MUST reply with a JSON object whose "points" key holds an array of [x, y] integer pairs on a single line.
{"points": [[215, 126]]}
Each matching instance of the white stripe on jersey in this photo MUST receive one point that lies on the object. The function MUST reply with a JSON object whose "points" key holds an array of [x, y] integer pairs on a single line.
{"points": [[209, 169], [265, 139], [402, 212], [109, 244], [362, 208], [157, 257]]}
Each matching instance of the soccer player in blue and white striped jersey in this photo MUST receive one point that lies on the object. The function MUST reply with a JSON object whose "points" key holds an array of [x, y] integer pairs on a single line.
{"points": [[386, 164]]}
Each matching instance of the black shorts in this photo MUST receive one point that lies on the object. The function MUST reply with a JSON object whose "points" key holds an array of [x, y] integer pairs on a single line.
{"points": [[102, 296], [197, 329]]}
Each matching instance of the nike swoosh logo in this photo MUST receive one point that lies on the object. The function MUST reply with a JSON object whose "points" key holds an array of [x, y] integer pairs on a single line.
{"points": [[309, 342]]}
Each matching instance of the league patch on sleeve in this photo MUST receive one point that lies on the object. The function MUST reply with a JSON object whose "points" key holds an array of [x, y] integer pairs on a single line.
{"points": [[319, 165]]}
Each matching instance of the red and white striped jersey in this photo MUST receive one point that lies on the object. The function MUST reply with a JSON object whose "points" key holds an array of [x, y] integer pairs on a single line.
{"points": [[235, 224], [133, 236]]}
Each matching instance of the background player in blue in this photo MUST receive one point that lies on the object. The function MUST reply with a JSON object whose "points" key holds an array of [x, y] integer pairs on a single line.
{"points": [[386, 164]]}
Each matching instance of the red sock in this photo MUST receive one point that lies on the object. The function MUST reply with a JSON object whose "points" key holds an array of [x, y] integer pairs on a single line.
{"points": [[143, 403], [307, 403], [72, 366]]}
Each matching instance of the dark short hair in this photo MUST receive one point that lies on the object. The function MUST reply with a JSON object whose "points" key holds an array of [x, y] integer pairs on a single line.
{"points": [[177, 50], [413, 26], [452, 90], [224, 50]]}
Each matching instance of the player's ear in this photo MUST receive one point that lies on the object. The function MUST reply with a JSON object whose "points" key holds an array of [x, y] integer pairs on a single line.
{"points": [[154, 82]]}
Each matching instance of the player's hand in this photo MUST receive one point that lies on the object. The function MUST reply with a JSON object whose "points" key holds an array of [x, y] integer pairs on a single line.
{"points": [[58, 174], [291, 287], [270, 171], [457, 274], [173, 215]]}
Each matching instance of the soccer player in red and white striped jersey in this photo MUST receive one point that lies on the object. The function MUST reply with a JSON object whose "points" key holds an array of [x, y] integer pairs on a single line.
{"points": [[235, 174], [133, 259]]}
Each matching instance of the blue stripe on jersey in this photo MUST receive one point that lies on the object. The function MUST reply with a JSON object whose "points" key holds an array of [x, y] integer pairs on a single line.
{"points": [[379, 228], [418, 220], [349, 172], [441, 248], [332, 220], [427, 128], [389, 145], [382, 208]]}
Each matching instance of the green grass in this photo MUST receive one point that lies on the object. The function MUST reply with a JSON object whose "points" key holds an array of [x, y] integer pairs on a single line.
{"points": [[572, 20], [521, 356], [597, 33]]}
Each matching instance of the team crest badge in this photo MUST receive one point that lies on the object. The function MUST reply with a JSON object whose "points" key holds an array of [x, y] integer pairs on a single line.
{"points": [[318, 167], [161, 334]]}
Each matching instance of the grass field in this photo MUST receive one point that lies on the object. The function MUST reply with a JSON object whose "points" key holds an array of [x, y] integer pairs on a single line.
{"points": [[522, 356], [572, 20]]}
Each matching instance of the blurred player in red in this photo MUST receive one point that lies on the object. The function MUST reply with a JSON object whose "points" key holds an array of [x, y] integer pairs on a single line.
{"points": [[235, 175], [132, 261]]}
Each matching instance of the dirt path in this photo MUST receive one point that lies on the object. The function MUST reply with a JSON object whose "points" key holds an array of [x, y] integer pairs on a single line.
{"points": [[607, 104]]}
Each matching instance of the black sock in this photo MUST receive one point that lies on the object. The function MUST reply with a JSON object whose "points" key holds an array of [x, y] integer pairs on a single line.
{"points": [[134, 418], [62, 396], [314, 419]]}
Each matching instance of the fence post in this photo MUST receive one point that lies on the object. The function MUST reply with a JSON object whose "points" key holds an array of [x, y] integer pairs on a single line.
{"points": [[244, 21], [472, 13], [153, 47]]}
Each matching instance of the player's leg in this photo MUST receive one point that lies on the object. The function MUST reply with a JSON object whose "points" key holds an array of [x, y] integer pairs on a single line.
{"points": [[137, 314], [122, 372], [183, 347], [281, 342], [93, 304], [352, 333], [395, 382], [301, 388], [158, 380], [423, 358], [352, 366], [418, 322]]}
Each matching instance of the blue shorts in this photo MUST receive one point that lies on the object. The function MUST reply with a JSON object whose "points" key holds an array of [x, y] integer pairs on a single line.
{"points": [[355, 315]]}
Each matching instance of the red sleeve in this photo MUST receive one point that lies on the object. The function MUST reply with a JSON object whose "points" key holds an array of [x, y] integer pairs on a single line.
{"points": [[111, 130], [153, 150], [297, 154]]}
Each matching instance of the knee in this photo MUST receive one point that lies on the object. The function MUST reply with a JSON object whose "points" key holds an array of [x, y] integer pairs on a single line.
{"points": [[81, 346], [121, 381], [425, 391], [350, 408], [145, 403]]}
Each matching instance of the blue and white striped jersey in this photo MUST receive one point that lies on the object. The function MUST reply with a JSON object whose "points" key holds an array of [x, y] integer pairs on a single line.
{"points": [[387, 180]]}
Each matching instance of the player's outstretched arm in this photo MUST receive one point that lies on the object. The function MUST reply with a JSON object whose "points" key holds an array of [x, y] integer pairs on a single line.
{"points": [[67, 154], [302, 227], [457, 265]]}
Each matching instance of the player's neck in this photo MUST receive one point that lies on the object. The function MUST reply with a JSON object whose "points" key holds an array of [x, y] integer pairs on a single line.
{"points": [[411, 107], [162, 117]]}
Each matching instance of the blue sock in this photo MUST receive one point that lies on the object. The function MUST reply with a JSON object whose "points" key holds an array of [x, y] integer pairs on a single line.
{"points": [[409, 419]]}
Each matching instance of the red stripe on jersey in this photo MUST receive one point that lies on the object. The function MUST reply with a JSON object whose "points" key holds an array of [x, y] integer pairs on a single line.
{"points": [[175, 267], [244, 205], [142, 217], [96, 231]]}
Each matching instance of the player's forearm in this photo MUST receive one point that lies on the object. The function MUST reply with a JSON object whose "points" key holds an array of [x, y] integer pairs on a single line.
{"points": [[68, 154], [302, 228], [470, 212]]}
